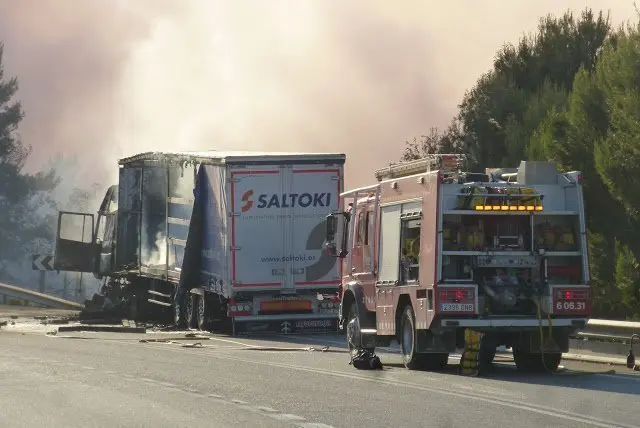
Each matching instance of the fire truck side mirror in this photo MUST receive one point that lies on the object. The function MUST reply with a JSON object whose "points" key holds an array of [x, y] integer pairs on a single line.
{"points": [[334, 245]]}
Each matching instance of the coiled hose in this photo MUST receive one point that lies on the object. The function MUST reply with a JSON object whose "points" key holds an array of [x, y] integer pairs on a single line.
{"points": [[538, 304]]}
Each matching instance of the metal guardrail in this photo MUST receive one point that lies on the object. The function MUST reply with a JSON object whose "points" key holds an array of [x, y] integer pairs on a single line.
{"points": [[39, 299], [600, 330]]}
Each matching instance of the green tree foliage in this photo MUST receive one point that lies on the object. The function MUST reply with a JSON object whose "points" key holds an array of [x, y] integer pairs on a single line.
{"points": [[570, 93], [498, 117], [21, 195], [449, 141]]}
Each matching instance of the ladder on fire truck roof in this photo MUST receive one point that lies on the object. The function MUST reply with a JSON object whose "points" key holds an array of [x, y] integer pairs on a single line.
{"points": [[449, 163]]}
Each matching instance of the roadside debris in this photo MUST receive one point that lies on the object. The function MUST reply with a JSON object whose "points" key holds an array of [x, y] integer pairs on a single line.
{"points": [[193, 345], [171, 339], [102, 328]]}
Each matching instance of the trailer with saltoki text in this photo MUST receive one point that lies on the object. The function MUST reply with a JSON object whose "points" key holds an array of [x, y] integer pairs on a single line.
{"points": [[214, 239]]}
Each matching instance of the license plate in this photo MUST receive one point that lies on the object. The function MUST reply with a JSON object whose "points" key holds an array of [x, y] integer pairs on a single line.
{"points": [[570, 305], [456, 307]]}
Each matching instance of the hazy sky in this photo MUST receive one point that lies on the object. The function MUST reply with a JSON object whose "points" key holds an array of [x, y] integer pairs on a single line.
{"points": [[105, 79]]}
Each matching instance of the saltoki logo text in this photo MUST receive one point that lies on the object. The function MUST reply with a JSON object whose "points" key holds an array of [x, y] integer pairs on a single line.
{"points": [[285, 200]]}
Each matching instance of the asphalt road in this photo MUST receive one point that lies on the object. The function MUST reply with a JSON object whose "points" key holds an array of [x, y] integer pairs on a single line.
{"points": [[114, 380]]}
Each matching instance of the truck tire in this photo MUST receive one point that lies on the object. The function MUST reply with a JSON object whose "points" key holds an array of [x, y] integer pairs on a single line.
{"points": [[530, 362], [353, 315], [203, 313], [191, 309], [179, 312], [487, 353], [410, 357]]}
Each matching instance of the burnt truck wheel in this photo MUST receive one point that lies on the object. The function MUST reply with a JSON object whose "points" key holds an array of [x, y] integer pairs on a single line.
{"points": [[353, 330], [191, 309], [410, 357], [203, 313], [179, 312], [530, 362]]}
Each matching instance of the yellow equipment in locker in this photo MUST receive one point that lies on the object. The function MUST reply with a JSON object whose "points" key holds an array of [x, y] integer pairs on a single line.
{"points": [[479, 195], [475, 237], [566, 240], [471, 196], [412, 248]]}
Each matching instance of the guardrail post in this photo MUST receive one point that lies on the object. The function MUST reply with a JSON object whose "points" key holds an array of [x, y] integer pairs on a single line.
{"points": [[631, 358]]}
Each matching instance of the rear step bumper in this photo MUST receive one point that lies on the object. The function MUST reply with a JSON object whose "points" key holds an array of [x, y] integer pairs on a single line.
{"points": [[285, 324], [513, 323]]}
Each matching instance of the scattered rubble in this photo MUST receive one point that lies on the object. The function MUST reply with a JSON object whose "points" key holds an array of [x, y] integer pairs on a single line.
{"points": [[102, 328]]}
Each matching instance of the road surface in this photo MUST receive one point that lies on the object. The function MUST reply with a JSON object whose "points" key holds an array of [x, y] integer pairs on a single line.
{"points": [[113, 379]]}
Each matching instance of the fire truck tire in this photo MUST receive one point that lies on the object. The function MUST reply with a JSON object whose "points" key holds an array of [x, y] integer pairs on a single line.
{"points": [[487, 353], [410, 357], [530, 362], [353, 314], [191, 310]]}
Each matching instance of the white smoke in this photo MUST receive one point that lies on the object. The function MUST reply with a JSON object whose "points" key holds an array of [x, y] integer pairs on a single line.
{"points": [[101, 80], [107, 79]]}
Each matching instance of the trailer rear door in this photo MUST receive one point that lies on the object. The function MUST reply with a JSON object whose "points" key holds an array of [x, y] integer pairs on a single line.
{"points": [[318, 194], [258, 244], [278, 226]]}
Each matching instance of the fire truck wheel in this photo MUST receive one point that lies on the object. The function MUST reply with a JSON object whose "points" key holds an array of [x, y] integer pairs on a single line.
{"points": [[411, 359], [191, 310], [351, 335], [529, 362]]}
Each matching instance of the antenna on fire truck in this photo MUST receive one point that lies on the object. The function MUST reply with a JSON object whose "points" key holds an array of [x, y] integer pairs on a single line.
{"points": [[450, 164]]}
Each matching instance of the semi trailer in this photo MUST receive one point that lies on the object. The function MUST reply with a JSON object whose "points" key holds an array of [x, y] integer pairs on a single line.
{"points": [[430, 251], [213, 239]]}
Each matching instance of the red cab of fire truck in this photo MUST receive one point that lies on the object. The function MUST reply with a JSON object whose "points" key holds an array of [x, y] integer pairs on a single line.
{"points": [[430, 250]]}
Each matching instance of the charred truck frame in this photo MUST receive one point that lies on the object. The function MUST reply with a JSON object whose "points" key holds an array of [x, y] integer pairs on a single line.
{"points": [[213, 239], [430, 251]]}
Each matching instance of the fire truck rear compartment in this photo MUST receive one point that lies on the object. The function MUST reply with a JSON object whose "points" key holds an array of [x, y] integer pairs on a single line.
{"points": [[497, 253]]}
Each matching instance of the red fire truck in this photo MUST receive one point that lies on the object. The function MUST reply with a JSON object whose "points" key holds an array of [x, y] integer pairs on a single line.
{"points": [[431, 250]]}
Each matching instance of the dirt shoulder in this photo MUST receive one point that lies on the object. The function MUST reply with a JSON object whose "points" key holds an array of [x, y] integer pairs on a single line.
{"points": [[13, 312]]}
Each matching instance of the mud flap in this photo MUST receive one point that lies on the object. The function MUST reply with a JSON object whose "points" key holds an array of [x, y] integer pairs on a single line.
{"points": [[469, 362]]}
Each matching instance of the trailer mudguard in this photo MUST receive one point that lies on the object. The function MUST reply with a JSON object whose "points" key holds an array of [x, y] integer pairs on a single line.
{"points": [[190, 270]]}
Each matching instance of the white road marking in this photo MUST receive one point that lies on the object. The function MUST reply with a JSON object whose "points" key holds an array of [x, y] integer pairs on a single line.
{"points": [[286, 417], [313, 425], [521, 405]]}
